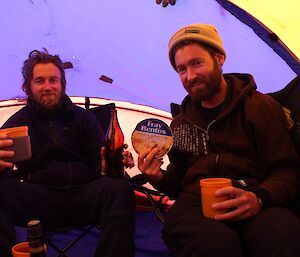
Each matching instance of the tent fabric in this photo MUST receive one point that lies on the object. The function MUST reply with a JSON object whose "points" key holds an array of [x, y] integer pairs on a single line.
{"points": [[270, 37], [127, 42], [281, 17]]}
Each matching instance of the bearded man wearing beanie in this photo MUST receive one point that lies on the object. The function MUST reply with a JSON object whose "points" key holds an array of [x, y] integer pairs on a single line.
{"points": [[226, 128]]}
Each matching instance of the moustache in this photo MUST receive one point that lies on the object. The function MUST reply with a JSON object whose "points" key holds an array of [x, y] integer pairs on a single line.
{"points": [[196, 81], [49, 94]]}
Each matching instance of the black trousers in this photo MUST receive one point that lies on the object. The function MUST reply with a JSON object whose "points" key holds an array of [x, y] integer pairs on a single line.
{"points": [[107, 202], [273, 232]]}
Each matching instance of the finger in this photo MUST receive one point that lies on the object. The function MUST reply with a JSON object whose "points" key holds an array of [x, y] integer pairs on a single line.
{"points": [[127, 158], [158, 162], [227, 204], [165, 200], [153, 151], [128, 163], [103, 150], [103, 160], [6, 142], [155, 167], [151, 155], [140, 160], [151, 160], [165, 3], [5, 153], [151, 169], [5, 164], [158, 158], [145, 159], [235, 214], [3, 136], [127, 154], [233, 191], [143, 155]]}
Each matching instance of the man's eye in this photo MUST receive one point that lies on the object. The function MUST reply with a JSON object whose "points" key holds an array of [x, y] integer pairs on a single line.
{"points": [[197, 63], [181, 69], [53, 81], [38, 81]]}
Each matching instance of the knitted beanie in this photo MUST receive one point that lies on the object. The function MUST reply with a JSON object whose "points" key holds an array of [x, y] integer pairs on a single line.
{"points": [[203, 33]]}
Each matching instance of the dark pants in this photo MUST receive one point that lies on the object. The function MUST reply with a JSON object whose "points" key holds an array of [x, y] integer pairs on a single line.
{"points": [[273, 232], [107, 202]]}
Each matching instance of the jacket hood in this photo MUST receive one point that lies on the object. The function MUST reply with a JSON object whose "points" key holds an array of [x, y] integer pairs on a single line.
{"points": [[244, 85]]}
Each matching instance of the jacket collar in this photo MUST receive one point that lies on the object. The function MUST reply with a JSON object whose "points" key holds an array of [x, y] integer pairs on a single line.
{"points": [[65, 105], [239, 86]]}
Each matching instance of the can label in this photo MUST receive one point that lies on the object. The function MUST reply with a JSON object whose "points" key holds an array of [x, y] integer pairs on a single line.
{"points": [[149, 133]]}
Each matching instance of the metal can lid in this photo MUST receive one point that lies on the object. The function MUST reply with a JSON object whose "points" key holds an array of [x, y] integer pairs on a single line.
{"points": [[149, 133]]}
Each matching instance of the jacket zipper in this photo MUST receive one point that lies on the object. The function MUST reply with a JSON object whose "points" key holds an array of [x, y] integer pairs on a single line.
{"points": [[205, 135], [53, 134], [205, 139]]}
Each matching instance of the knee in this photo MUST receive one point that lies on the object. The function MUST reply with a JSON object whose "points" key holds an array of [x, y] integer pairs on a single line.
{"points": [[275, 224], [274, 230], [215, 244], [206, 239]]}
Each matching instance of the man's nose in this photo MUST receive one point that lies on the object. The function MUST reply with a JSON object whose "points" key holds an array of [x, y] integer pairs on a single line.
{"points": [[191, 74], [47, 85]]}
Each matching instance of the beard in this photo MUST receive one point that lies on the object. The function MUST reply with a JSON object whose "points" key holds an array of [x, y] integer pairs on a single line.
{"points": [[47, 103], [211, 82]]}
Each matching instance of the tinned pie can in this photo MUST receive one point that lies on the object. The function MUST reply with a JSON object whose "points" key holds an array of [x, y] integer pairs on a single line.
{"points": [[149, 133]]}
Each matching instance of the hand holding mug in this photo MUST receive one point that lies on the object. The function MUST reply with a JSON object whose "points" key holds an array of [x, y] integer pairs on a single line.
{"points": [[241, 205], [4, 154], [15, 146]]}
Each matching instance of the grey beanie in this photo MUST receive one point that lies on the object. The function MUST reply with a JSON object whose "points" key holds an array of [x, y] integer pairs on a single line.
{"points": [[203, 33]]}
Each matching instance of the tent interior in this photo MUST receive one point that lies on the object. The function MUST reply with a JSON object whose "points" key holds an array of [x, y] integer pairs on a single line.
{"points": [[126, 42]]}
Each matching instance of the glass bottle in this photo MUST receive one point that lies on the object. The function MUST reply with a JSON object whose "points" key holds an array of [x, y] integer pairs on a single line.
{"points": [[114, 146], [35, 238]]}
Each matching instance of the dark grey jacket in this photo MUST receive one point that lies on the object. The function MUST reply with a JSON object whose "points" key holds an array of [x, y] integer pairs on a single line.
{"points": [[65, 145], [247, 141]]}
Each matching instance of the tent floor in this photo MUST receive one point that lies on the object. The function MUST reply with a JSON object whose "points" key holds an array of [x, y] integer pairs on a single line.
{"points": [[147, 237]]}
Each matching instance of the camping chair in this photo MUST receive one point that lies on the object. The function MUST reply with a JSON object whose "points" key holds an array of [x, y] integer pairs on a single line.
{"points": [[49, 236], [154, 197]]}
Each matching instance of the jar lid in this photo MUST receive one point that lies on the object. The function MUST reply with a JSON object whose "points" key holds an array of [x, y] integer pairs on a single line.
{"points": [[149, 133]]}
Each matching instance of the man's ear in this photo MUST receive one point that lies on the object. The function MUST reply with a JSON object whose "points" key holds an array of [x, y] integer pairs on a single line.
{"points": [[220, 59]]}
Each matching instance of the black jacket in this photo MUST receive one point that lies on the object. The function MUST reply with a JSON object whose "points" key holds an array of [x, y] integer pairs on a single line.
{"points": [[65, 145], [247, 141]]}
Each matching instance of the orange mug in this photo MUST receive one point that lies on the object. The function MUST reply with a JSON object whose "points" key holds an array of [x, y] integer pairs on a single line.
{"points": [[21, 143], [22, 250], [208, 188]]}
